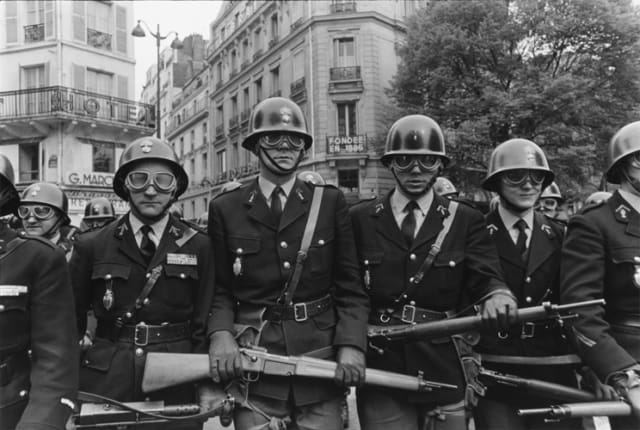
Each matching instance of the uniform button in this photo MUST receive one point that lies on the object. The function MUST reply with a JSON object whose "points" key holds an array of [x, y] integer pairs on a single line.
{"points": [[1, 308], [286, 265], [107, 276], [452, 263], [636, 259], [128, 315], [148, 275], [86, 361], [182, 276], [284, 244], [239, 251], [139, 352], [321, 242], [412, 257], [528, 280], [23, 393], [528, 299], [412, 303], [146, 301]]}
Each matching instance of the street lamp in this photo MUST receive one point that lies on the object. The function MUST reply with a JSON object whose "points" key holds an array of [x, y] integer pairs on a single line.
{"points": [[138, 31]]}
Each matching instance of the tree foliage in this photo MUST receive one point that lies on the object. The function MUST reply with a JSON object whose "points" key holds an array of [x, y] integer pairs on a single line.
{"points": [[562, 73]]}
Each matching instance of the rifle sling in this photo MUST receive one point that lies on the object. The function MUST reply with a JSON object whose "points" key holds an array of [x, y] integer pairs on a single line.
{"points": [[146, 290], [534, 361], [286, 296], [431, 256]]}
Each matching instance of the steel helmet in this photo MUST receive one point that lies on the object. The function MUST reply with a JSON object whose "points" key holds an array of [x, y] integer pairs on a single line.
{"points": [[276, 114], [311, 177], [625, 142], [99, 208], [414, 135], [597, 197], [9, 197], [49, 194], [176, 211], [516, 154], [552, 192], [148, 148], [444, 187], [203, 220]]}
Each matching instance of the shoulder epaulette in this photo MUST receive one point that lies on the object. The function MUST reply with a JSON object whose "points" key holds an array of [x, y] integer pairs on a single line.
{"points": [[39, 239], [194, 226], [592, 206], [222, 193], [364, 200], [467, 203]]}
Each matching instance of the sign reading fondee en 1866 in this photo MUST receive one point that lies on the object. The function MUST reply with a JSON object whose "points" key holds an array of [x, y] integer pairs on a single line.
{"points": [[347, 144], [91, 179]]}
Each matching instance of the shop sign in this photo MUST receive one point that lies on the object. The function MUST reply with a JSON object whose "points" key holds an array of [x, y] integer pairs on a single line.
{"points": [[347, 144], [91, 179]]}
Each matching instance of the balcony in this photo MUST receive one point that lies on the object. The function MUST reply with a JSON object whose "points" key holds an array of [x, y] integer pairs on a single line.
{"points": [[297, 23], [191, 114], [343, 7], [219, 131], [273, 42], [257, 54], [98, 39], [59, 102], [245, 64], [33, 33], [233, 123], [218, 84], [345, 79], [244, 116], [233, 72], [298, 90]]}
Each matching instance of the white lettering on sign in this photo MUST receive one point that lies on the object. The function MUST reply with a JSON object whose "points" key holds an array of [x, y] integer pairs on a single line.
{"points": [[78, 199], [94, 179], [346, 144]]}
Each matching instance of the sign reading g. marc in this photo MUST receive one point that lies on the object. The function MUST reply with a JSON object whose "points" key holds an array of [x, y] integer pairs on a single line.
{"points": [[92, 179]]}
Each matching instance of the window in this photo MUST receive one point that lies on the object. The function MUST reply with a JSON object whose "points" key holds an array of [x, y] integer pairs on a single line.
{"points": [[258, 86], [193, 208], [104, 155], [348, 181], [233, 60], [34, 77], [192, 164], [235, 160], [219, 72], [257, 40], [222, 161], [35, 12], [99, 82], [204, 134], [344, 52], [28, 162], [192, 140], [275, 81], [121, 29], [11, 21], [98, 14], [79, 32], [246, 101], [234, 106], [347, 119], [219, 117], [274, 27], [245, 50], [205, 164], [298, 65], [181, 146]]}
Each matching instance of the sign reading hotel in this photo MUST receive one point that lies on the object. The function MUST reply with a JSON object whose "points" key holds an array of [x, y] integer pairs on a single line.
{"points": [[347, 144]]}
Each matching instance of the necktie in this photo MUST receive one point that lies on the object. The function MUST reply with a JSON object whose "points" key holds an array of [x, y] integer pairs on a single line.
{"points": [[408, 226], [521, 242], [276, 204], [147, 247]]}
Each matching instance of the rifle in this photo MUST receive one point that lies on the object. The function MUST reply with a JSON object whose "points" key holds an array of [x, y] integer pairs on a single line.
{"points": [[164, 370], [545, 389], [448, 327], [587, 409]]}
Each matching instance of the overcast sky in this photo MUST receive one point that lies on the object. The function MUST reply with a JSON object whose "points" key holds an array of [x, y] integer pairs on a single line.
{"points": [[184, 16]]}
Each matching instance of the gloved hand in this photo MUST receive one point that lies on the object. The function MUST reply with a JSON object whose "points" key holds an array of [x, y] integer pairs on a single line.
{"points": [[627, 382], [499, 311], [224, 357], [351, 367], [591, 382]]}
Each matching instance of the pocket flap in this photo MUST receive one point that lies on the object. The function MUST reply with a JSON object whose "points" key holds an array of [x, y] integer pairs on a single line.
{"points": [[12, 303], [372, 256], [625, 255], [100, 355], [449, 258], [181, 271], [322, 237], [244, 245], [110, 270]]}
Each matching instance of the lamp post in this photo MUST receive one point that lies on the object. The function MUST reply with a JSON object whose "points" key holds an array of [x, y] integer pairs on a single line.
{"points": [[138, 31]]}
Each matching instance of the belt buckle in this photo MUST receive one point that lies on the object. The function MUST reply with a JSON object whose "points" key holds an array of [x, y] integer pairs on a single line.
{"points": [[528, 330], [300, 312], [406, 311], [137, 336]]}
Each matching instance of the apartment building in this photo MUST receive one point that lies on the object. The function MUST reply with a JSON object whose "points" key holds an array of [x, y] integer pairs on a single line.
{"points": [[67, 104]]}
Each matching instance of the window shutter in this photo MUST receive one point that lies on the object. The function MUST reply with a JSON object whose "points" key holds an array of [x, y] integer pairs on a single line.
{"points": [[79, 32], [123, 87], [78, 77], [11, 13], [46, 78], [121, 30], [49, 19]]}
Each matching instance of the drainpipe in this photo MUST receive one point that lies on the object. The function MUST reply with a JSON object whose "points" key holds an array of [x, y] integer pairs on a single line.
{"points": [[310, 97]]}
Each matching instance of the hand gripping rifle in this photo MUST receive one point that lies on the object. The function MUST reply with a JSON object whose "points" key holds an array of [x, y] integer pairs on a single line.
{"points": [[164, 370], [586, 409], [448, 327]]}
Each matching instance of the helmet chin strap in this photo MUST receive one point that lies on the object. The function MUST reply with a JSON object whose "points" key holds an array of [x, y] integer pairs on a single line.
{"points": [[634, 182], [273, 166], [426, 188], [53, 229]]}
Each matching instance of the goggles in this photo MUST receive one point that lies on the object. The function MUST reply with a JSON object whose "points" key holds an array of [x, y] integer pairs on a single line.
{"points": [[404, 163], [139, 180], [41, 212], [519, 176], [549, 204], [275, 140], [635, 159]]}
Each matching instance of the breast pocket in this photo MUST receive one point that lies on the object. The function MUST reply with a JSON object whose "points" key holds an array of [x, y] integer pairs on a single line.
{"points": [[245, 260], [370, 263], [14, 319], [448, 272], [320, 256], [109, 278], [628, 261]]}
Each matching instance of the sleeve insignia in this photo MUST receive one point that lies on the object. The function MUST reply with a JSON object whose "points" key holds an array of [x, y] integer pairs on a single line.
{"points": [[379, 207]]}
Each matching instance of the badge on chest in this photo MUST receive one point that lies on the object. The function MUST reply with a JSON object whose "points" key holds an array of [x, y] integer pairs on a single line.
{"points": [[182, 259], [12, 290]]}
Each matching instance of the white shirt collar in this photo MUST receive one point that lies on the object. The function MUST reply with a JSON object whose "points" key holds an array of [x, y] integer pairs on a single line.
{"points": [[632, 199], [509, 218], [399, 201], [158, 227], [267, 186]]}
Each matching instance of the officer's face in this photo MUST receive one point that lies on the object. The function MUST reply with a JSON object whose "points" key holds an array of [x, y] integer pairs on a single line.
{"points": [[151, 185], [282, 151], [549, 206], [39, 220], [632, 169], [415, 174], [521, 187]]}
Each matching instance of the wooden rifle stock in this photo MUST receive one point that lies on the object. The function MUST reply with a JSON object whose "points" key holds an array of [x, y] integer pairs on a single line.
{"points": [[586, 409], [448, 327], [164, 370]]}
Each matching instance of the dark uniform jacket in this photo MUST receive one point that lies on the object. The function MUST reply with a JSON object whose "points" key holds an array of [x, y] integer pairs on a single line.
{"points": [[36, 314], [466, 269], [109, 258], [601, 259], [245, 235]]}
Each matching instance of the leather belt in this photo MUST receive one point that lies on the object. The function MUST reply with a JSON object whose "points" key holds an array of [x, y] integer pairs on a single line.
{"points": [[410, 314], [539, 361], [143, 334], [528, 330], [298, 311], [13, 364], [624, 320]]}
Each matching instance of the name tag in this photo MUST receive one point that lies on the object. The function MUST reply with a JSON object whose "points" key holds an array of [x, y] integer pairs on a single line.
{"points": [[12, 290], [182, 259]]}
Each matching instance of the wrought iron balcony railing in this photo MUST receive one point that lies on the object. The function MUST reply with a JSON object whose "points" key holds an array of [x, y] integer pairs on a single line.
{"points": [[33, 33], [297, 86], [98, 39], [343, 6], [345, 73]]}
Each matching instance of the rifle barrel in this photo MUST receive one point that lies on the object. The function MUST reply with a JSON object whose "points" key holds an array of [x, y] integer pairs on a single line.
{"points": [[586, 409]]}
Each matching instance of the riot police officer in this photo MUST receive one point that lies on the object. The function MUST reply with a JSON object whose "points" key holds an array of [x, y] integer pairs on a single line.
{"points": [[97, 213], [38, 350], [551, 201], [43, 211], [601, 259], [597, 198], [528, 245], [445, 188], [148, 278], [257, 231], [398, 237]]}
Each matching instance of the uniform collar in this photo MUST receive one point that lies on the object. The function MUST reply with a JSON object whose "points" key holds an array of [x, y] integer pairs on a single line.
{"points": [[267, 187], [509, 218], [158, 226], [398, 201], [632, 199]]}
